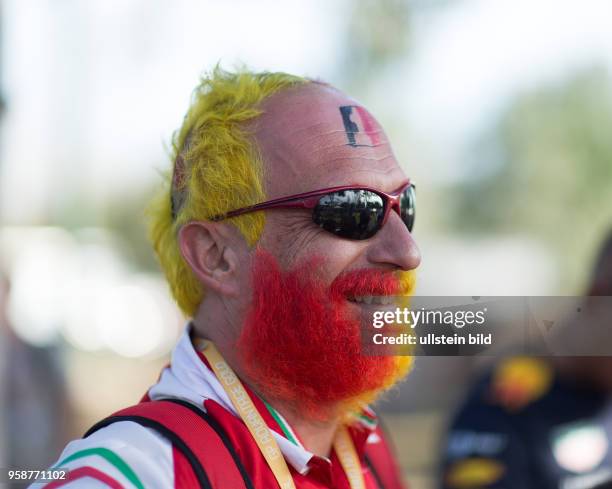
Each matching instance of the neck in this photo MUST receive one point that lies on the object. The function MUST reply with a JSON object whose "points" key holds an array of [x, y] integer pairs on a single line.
{"points": [[316, 436]]}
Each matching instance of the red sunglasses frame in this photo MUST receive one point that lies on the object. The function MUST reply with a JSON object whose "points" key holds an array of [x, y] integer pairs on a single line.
{"points": [[309, 200]]}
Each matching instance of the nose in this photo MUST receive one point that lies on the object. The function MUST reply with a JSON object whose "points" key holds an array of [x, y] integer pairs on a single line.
{"points": [[394, 245]]}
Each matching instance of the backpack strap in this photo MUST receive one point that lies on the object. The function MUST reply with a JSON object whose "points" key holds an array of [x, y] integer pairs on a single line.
{"points": [[216, 426], [198, 436]]}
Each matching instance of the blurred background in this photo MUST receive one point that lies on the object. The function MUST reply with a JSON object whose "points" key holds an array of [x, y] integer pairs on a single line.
{"points": [[499, 110]]}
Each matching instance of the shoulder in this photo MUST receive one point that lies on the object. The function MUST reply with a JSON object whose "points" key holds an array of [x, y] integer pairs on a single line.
{"points": [[122, 454], [513, 385], [500, 407]]}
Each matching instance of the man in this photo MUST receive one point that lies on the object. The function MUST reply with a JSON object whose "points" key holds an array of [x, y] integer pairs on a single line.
{"points": [[536, 422], [285, 223]]}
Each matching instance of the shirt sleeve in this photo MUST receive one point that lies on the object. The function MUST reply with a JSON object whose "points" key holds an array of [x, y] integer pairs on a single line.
{"points": [[121, 455]]}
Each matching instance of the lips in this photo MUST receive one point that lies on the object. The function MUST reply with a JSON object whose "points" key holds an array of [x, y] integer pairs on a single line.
{"points": [[366, 287]]}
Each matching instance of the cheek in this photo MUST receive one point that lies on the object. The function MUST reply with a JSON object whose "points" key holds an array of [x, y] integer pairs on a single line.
{"points": [[237, 307], [293, 245], [338, 254]]}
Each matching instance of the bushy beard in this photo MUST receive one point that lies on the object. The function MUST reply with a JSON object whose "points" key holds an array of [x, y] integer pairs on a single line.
{"points": [[301, 343]]}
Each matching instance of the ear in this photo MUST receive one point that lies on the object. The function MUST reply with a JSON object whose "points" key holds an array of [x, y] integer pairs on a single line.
{"points": [[208, 249]]}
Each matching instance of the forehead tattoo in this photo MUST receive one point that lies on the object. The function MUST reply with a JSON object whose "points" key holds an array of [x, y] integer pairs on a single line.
{"points": [[360, 127]]}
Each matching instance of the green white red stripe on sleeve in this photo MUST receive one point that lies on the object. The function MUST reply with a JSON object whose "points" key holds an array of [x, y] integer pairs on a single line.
{"points": [[94, 475], [132, 456]]}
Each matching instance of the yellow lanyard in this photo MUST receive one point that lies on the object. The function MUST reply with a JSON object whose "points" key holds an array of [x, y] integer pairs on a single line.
{"points": [[343, 444]]}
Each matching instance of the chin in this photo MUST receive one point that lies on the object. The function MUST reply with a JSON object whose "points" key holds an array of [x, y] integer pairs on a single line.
{"points": [[301, 343]]}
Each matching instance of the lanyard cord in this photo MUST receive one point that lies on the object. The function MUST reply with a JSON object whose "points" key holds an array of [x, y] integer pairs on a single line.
{"points": [[343, 444]]}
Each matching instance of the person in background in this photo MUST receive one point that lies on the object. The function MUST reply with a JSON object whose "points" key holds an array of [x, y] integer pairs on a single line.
{"points": [[537, 422], [35, 408], [3, 366]]}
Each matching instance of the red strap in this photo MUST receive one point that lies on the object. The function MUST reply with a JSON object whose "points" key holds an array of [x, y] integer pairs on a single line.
{"points": [[197, 434], [183, 475]]}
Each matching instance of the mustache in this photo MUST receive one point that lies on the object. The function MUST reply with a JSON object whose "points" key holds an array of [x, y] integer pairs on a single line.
{"points": [[373, 282]]}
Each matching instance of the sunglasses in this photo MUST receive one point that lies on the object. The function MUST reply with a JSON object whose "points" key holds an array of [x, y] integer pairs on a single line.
{"points": [[349, 212]]}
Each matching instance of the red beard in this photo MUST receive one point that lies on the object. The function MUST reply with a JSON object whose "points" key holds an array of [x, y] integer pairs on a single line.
{"points": [[301, 343]]}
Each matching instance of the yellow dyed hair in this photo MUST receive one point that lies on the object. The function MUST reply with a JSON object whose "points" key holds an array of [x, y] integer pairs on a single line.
{"points": [[216, 168]]}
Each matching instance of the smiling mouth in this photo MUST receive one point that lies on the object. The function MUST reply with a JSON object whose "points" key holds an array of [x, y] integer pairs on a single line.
{"points": [[381, 300]]}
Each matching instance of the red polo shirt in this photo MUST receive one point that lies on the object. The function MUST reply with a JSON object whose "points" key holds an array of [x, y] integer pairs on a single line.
{"points": [[127, 454]]}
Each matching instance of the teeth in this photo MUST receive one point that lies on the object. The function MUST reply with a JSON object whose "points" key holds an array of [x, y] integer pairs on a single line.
{"points": [[369, 299]]}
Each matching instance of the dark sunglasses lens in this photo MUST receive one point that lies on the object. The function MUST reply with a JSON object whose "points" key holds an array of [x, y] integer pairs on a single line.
{"points": [[352, 214], [407, 206]]}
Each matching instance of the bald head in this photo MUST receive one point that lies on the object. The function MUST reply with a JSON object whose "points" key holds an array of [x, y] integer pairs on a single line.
{"points": [[315, 136]]}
